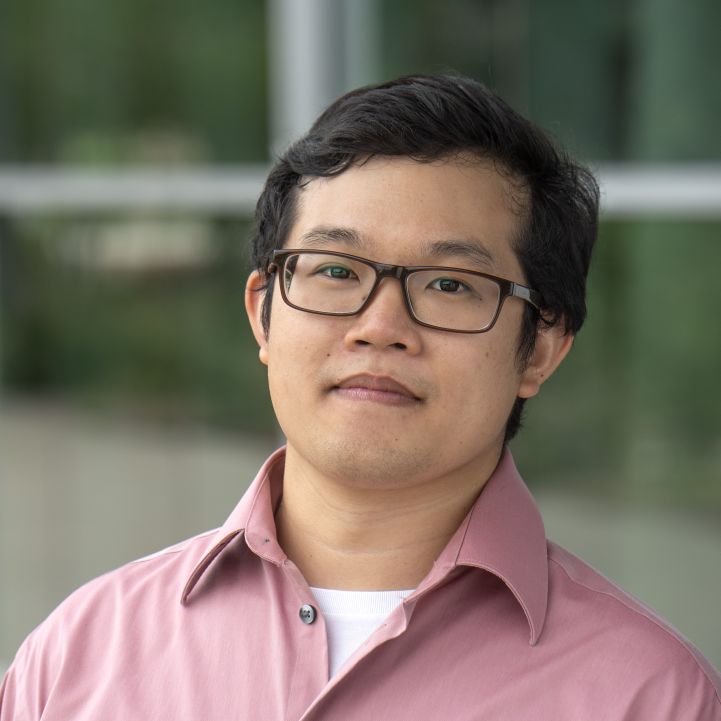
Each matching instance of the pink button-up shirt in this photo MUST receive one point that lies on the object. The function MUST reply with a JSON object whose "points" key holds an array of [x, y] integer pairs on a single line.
{"points": [[505, 627]]}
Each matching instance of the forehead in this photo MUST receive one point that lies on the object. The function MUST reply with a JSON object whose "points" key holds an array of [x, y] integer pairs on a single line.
{"points": [[398, 208]]}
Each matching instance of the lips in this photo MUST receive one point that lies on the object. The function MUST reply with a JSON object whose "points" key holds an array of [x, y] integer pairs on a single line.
{"points": [[377, 386]]}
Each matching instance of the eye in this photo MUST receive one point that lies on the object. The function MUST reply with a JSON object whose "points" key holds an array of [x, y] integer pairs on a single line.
{"points": [[449, 285], [338, 272]]}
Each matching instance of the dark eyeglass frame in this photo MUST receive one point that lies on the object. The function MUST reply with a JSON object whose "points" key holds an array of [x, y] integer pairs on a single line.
{"points": [[507, 288]]}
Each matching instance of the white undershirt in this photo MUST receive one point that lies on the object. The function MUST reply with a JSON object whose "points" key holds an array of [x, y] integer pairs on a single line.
{"points": [[352, 616]]}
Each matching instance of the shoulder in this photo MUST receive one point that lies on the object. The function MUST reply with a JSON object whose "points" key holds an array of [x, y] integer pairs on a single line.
{"points": [[150, 580], [629, 640], [103, 619]]}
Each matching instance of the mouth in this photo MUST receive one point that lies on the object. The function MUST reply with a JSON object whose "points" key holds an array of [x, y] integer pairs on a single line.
{"points": [[378, 389]]}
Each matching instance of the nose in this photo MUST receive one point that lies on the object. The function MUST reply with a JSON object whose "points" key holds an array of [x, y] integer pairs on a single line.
{"points": [[385, 322]]}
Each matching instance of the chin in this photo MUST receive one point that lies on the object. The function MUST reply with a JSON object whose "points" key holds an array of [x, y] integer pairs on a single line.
{"points": [[365, 463]]}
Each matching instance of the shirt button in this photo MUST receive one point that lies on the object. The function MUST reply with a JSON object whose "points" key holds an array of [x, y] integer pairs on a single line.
{"points": [[307, 613]]}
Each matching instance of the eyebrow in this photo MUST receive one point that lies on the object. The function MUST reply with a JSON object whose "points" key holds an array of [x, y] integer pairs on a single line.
{"points": [[322, 237], [471, 249]]}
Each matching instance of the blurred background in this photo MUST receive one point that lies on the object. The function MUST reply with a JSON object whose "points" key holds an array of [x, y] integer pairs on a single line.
{"points": [[134, 137]]}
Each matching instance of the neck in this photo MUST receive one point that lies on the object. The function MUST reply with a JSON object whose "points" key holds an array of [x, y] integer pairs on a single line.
{"points": [[345, 537]]}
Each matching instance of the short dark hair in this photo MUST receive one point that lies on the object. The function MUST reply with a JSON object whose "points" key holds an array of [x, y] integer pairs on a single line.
{"points": [[433, 117]]}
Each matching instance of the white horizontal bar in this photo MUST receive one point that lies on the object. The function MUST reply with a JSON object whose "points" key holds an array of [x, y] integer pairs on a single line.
{"points": [[231, 190], [660, 190], [626, 191]]}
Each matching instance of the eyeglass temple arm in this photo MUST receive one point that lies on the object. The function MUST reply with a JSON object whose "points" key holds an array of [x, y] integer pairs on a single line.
{"points": [[525, 293]]}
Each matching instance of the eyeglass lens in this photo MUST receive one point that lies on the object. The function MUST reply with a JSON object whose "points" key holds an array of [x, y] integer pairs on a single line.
{"points": [[325, 283]]}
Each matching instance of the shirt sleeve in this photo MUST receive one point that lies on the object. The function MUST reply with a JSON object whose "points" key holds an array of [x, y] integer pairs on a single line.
{"points": [[11, 706], [683, 692], [26, 683]]}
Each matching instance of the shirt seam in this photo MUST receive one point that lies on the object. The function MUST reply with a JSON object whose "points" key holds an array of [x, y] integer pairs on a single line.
{"points": [[649, 618], [176, 548], [462, 542]]}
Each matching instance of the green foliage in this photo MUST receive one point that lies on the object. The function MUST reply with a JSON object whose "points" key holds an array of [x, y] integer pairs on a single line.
{"points": [[171, 343], [113, 71], [635, 405]]}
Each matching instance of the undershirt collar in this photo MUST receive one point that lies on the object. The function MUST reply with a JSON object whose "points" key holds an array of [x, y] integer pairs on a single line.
{"points": [[351, 617]]}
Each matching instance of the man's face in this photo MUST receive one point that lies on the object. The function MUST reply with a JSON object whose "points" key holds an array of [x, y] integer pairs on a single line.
{"points": [[332, 378]]}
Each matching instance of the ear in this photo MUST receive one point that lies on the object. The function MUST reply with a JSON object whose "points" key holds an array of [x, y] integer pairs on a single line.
{"points": [[552, 346], [254, 296]]}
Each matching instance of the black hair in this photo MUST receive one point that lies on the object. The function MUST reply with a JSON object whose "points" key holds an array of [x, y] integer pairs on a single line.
{"points": [[434, 117]]}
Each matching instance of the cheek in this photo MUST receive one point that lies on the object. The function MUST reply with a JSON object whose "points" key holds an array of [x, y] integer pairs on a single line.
{"points": [[297, 349], [484, 387], [283, 355]]}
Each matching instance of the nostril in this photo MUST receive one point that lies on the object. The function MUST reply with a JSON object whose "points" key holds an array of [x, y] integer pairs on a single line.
{"points": [[399, 346]]}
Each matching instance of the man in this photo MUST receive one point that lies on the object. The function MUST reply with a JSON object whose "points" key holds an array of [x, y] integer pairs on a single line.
{"points": [[421, 260]]}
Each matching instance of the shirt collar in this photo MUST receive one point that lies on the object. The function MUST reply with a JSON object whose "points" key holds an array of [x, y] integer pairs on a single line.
{"points": [[503, 534], [253, 517]]}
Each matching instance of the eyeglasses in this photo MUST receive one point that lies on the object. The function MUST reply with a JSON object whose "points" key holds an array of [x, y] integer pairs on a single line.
{"points": [[452, 299]]}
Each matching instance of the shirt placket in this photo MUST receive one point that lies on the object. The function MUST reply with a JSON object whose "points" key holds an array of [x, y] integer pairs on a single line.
{"points": [[310, 670], [395, 625]]}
